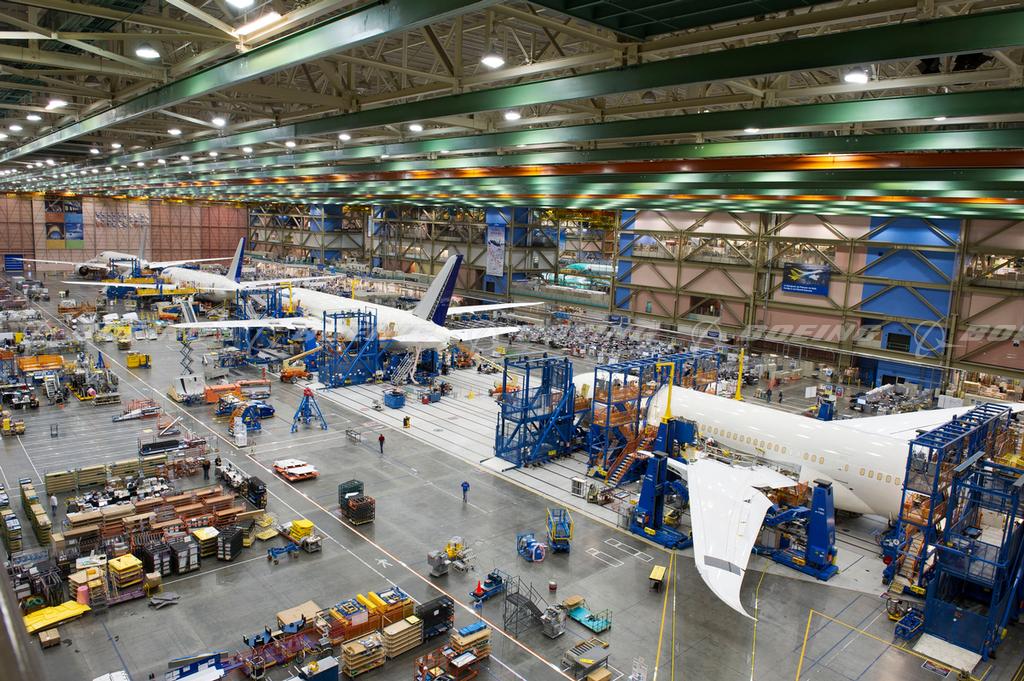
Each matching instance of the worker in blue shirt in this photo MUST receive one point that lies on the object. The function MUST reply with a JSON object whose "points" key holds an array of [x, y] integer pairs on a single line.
{"points": [[465, 491]]}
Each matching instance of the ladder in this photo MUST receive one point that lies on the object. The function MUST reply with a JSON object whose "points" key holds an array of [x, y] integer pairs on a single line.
{"points": [[50, 385], [403, 370]]}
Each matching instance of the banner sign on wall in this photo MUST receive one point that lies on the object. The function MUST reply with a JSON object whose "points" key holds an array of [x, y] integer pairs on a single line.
{"points": [[495, 250], [810, 279], [65, 225]]}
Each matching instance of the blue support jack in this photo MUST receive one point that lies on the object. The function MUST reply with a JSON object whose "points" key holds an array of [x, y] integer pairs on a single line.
{"points": [[649, 515], [815, 553], [308, 410]]}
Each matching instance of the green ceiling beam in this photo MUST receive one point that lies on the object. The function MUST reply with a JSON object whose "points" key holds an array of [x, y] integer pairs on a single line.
{"points": [[354, 28], [856, 144], [992, 30]]}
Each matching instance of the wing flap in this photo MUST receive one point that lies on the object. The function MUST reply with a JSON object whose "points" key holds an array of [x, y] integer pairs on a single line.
{"points": [[727, 511]]}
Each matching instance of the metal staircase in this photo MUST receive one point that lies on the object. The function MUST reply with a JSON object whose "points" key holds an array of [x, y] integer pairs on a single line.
{"points": [[631, 454], [521, 607], [403, 370]]}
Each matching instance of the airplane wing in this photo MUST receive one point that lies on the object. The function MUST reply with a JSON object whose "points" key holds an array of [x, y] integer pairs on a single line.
{"points": [[472, 309], [63, 262], [174, 263], [727, 510], [907, 425], [487, 332], [291, 323], [166, 285]]}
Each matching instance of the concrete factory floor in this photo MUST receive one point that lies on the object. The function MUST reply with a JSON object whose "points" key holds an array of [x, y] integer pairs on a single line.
{"points": [[829, 633]]}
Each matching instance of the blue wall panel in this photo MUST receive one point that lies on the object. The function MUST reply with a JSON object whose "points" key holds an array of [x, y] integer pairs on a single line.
{"points": [[627, 219]]}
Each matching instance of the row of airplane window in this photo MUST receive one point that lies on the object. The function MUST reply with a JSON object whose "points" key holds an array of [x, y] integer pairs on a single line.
{"points": [[813, 458], [736, 437]]}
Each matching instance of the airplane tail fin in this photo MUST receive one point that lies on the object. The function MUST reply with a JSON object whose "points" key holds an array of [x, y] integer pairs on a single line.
{"points": [[435, 302], [235, 271]]}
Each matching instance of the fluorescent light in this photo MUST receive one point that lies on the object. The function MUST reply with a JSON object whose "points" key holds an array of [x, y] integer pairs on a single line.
{"points": [[213, 154], [173, 132], [115, 145], [94, 151], [108, 169], [290, 144], [444, 151], [3, 135], [183, 157], [512, 115], [246, 150], [256, 24], [50, 162], [751, 131], [33, 117], [241, 4], [159, 160], [416, 127], [219, 121], [857, 77], [492, 59], [94, 171], [938, 119], [14, 127], [344, 137], [55, 103], [146, 51], [141, 164]]}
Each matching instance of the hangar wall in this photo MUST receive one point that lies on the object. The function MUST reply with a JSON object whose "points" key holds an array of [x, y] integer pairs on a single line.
{"points": [[77, 228]]}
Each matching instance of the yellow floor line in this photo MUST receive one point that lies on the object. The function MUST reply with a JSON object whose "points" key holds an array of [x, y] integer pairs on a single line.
{"points": [[753, 644], [664, 608]]}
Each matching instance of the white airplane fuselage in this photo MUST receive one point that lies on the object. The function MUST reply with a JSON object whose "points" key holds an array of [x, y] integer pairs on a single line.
{"points": [[866, 470], [390, 320]]}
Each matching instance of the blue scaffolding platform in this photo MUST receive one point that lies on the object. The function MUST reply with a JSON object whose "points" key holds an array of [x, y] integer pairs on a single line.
{"points": [[538, 421], [256, 303], [622, 397], [351, 350], [959, 539]]}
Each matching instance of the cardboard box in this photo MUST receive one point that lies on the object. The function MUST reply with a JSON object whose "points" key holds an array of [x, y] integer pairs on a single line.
{"points": [[601, 674], [49, 638]]}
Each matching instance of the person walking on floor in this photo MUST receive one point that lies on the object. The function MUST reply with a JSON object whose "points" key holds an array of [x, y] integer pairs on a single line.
{"points": [[206, 469], [53, 504], [780, 397], [465, 492], [380, 440], [768, 395]]}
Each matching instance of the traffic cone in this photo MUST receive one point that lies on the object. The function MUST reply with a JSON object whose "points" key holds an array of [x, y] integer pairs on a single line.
{"points": [[479, 591]]}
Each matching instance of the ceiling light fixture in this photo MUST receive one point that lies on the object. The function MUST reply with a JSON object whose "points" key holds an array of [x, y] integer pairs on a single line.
{"points": [[94, 151], [50, 162], [14, 127], [751, 131], [55, 103], [241, 4], [146, 51], [141, 164], [219, 121], [33, 117], [257, 24], [246, 150], [183, 157], [939, 119], [213, 154], [290, 144], [115, 145], [512, 115], [344, 137], [416, 127], [161, 161], [173, 132], [856, 77]]}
